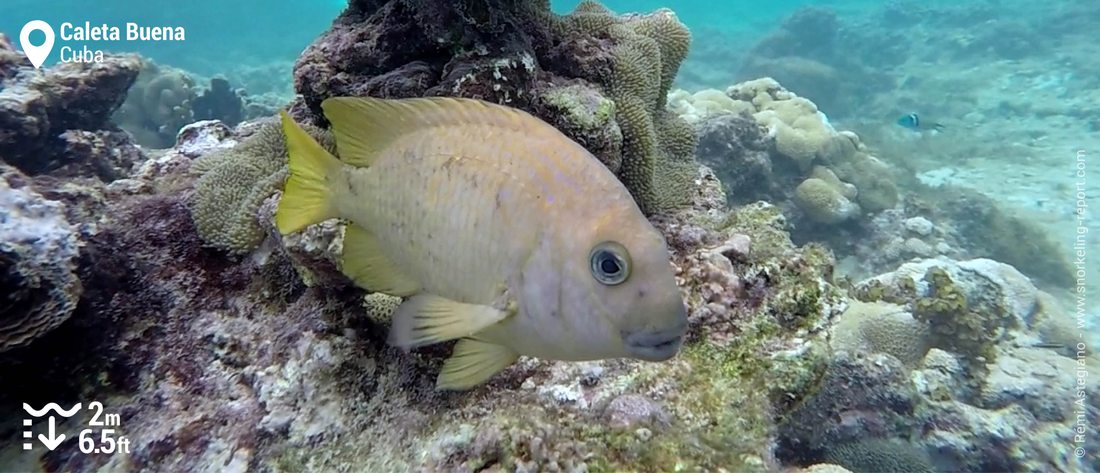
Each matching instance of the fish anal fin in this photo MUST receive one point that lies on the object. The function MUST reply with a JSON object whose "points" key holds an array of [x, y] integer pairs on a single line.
{"points": [[426, 319], [473, 362], [366, 263]]}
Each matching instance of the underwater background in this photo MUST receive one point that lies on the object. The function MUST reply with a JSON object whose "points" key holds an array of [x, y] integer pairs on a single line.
{"points": [[888, 254]]}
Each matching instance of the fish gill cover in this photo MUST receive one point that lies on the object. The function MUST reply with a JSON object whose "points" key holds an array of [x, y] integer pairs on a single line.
{"points": [[862, 295]]}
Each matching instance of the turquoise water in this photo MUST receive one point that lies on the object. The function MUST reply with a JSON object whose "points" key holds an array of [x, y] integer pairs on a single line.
{"points": [[221, 35]]}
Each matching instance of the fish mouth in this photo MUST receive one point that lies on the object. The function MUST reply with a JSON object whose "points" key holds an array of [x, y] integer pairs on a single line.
{"points": [[654, 345]]}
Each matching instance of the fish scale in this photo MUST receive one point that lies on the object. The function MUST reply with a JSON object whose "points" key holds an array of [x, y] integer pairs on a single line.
{"points": [[456, 203], [434, 195]]}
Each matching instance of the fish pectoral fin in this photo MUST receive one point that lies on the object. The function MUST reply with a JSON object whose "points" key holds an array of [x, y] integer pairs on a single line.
{"points": [[427, 318], [366, 263], [473, 362]]}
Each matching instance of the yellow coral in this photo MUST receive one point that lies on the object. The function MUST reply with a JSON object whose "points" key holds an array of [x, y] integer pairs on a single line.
{"points": [[822, 202], [825, 174], [803, 134], [872, 177]]}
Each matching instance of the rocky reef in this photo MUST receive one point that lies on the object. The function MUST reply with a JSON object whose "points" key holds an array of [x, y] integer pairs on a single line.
{"points": [[273, 361], [964, 363], [599, 77], [766, 142], [162, 289], [58, 121]]}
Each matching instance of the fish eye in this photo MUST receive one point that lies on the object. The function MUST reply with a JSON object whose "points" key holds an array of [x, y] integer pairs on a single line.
{"points": [[610, 263]]}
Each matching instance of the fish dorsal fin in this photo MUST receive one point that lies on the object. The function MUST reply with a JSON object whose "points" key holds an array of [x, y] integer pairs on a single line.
{"points": [[364, 126]]}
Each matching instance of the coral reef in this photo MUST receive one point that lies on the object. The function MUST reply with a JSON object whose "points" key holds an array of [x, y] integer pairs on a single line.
{"points": [[281, 364], [983, 398], [38, 252], [234, 183], [987, 230], [253, 361], [267, 359], [59, 118], [838, 179], [600, 78], [219, 102], [811, 53], [158, 105]]}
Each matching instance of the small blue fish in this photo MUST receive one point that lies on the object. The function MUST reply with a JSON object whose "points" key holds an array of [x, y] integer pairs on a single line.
{"points": [[913, 122]]}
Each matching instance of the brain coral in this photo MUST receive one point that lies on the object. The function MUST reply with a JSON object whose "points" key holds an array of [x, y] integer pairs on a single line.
{"points": [[880, 327], [234, 183], [601, 78], [879, 456]]}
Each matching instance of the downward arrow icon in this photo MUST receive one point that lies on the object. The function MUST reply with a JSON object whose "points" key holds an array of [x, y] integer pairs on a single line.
{"points": [[51, 442]]}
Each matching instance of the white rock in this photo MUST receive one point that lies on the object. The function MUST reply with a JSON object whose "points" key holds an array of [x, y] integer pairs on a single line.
{"points": [[919, 225]]}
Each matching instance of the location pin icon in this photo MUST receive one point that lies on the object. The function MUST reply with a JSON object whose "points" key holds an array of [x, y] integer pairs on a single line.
{"points": [[37, 54]]}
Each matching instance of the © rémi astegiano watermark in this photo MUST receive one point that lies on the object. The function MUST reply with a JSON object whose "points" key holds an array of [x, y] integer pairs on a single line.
{"points": [[1081, 426], [38, 52]]}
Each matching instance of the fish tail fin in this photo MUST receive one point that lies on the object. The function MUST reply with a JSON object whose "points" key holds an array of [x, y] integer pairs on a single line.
{"points": [[306, 199]]}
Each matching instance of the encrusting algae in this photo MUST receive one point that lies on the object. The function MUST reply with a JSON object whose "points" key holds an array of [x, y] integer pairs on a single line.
{"points": [[478, 213]]}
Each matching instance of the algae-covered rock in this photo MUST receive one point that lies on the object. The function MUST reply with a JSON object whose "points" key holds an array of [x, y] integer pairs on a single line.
{"points": [[38, 252], [43, 114], [599, 77], [970, 306]]}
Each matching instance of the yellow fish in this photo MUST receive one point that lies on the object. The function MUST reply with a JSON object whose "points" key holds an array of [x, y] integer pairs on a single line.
{"points": [[499, 230]]}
